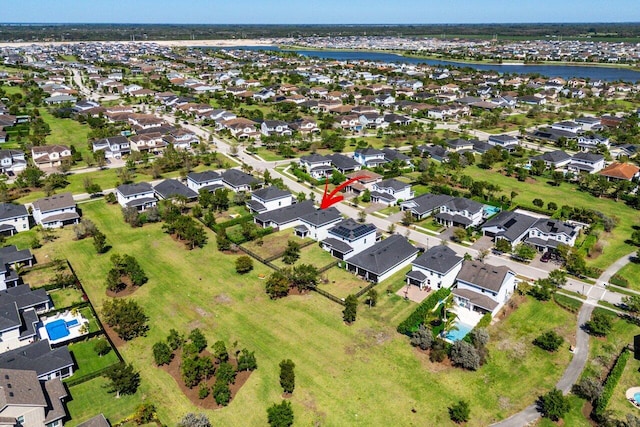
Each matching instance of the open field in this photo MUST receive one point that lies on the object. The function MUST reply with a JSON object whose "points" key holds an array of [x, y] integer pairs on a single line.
{"points": [[631, 272], [41, 275], [273, 244], [619, 404], [312, 254], [334, 362], [65, 297]]}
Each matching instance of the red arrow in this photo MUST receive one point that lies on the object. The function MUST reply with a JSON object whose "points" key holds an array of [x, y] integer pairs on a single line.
{"points": [[331, 198]]}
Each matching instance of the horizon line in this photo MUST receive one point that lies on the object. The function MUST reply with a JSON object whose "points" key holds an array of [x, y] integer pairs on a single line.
{"points": [[324, 24]]}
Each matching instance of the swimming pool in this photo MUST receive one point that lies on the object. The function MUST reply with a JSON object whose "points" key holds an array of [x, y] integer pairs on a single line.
{"points": [[490, 210], [59, 329], [636, 397], [461, 332]]}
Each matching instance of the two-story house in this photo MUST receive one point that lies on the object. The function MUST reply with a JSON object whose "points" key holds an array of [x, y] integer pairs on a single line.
{"points": [[268, 199], [40, 357], [13, 218], [316, 165], [391, 155], [383, 259], [483, 288], [113, 147], [19, 309], [172, 188], [586, 162], [588, 142], [181, 139], [553, 159], [208, 180], [237, 181], [50, 156], [425, 205], [12, 162], [567, 126], [148, 142], [369, 157], [348, 238], [510, 226], [285, 217], [547, 234], [461, 212], [275, 127], [316, 224], [390, 191], [140, 196], [55, 211], [343, 163], [506, 142], [436, 268]]}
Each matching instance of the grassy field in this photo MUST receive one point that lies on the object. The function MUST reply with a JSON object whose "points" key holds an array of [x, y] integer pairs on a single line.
{"points": [[334, 362], [340, 283], [312, 254], [573, 418], [88, 360], [631, 272], [65, 297], [39, 275], [273, 244], [614, 242], [619, 404], [67, 132]]}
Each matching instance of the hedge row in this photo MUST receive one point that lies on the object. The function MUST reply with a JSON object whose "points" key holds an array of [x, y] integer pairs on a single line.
{"points": [[485, 321], [611, 382], [570, 304], [239, 220], [618, 280], [415, 319], [300, 174]]}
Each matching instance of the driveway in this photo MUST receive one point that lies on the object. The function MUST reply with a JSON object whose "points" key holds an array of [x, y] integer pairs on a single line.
{"points": [[483, 243], [374, 207]]}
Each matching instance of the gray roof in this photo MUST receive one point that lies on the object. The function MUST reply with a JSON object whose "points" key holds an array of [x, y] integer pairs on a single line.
{"points": [[11, 255], [553, 157], [322, 217], [553, 226], [23, 296], [483, 275], [288, 213], [476, 298], [9, 316], [351, 230], [392, 183], [588, 156], [512, 224], [10, 210], [37, 356], [55, 392], [236, 178], [462, 204], [20, 387], [133, 189], [55, 202], [382, 196], [384, 255], [440, 259], [369, 151], [205, 176], [270, 193], [314, 158], [171, 188], [391, 155], [338, 245], [97, 421], [343, 162], [427, 202]]}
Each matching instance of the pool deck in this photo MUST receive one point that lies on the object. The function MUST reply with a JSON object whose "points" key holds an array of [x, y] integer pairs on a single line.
{"points": [[630, 393], [67, 316]]}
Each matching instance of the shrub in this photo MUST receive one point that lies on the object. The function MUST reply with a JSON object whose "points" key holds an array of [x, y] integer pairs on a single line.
{"points": [[221, 393], [101, 347], [280, 415], [600, 324], [465, 355], [485, 321], [459, 412], [247, 361], [415, 319], [220, 351], [588, 388], [244, 264], [198, 339], [162, 354], [553, 405], [226, 372], [422, 338], [570, 304], [618, 280], [175, 339], [203, 391], [549, 341], [287, 376], [145, 413], [611, 382], [350, 309]]}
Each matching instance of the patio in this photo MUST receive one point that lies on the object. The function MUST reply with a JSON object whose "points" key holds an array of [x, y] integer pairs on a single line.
{"points": [[413, 293], [63, 327]]}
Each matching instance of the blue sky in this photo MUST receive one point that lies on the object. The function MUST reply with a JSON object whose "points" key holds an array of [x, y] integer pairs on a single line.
{"points": [[319, 11]]}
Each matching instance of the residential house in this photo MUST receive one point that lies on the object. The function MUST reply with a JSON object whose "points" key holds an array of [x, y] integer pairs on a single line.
{"points": [[383, 259], [343, 163], [38, 356], [425, 205], [586, 162], [27, 401], [19, 308], [268, 199], [567, 126], [316, 165], [506, 142], [369, 157], [140, 196], [348, 238], [181, 139], [208, 180], [390, 155], [241, 128], [275, 127], [390, 191], [436, 152], [372, 121], [621, 171], [589, 123], [285, 217], [510, 226], [483, 288], [435, 268], [237, 180], [97, 421], [172, 188], [459, 145], [55, 211], [152, 142], [589, 142], [553, 159], [12, 162], [350, 122], [50, 156], [316, 224], [461, 212], [13, 219], [365, 180], [304, 126], [113, 147], [546, 234]]}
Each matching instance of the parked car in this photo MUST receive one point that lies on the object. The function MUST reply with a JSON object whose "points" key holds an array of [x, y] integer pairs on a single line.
{"points": [[545, 257]]}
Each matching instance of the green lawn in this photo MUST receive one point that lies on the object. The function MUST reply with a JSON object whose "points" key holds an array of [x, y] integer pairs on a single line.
{"points": [[631, 272], [67, 132], [619, 404], [613, 243], [334, 362], [573, 418], [88, 360], [312, 254], [65, 297], [273, 244], [88, 314], [40, 276]]}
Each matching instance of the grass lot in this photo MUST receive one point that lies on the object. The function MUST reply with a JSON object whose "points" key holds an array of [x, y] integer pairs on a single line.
{"points": [[88, 360], [312, 254], [614, 242], [573, 418], [67, 132], [619, 404], [334, 362], [37, 277], [65, 297], [341, 283], [273, 244], [631, 272], [88, 314]]}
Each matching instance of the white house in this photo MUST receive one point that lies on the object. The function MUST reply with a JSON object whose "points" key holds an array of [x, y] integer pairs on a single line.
{"points": [[390, 191], [50, 156], [12, 161], [586, 162], [13, 218], [369, 157], [436, 268], [268, 199], [483, 288], [113, 147], [209, 180], [383, 259], [317, 224], [461, 212], [19, 308], [55, 211], [547, 234], [141, 196], [316, 165], [589, 142], [507, 142], [567, 126], [275, 127], [349, 238]]}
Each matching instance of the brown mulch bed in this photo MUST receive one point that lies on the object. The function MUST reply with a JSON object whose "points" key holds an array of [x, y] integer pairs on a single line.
{"points": [[208, 402], [115, 339]]}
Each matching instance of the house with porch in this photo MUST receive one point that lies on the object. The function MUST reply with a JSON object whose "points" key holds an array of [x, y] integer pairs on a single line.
{"points": [[586, 162], [369, 157], [483, 288], [510, 226], [209, 180], [434, 269], [55, 211], [348, 238], [268, 199], [285, 217], [13, 219], [343, 163], [316, 165], [275, 127], [461, 212], [12, 162], [19, 309], [547, 233], [425, 205], [316, 224], [389, 191], [140, 196], [383, 259]]}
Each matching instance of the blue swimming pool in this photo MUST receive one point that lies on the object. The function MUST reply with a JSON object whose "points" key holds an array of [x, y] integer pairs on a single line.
{"points": [[636, 397], [59, 329], [490, 210], [458, 334]]}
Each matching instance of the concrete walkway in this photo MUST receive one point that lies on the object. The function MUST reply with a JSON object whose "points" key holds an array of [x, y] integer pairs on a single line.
{"points": [[615, 267]]}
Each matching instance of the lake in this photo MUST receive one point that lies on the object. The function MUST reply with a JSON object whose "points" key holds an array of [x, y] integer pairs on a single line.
{"points": [[564, 71]]}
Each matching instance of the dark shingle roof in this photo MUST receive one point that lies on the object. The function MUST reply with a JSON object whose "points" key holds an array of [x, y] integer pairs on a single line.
{"points": [[462, 204], [513, 224], [384, 255], [52, 203], [484, 275], [97, 421], [171, 188], [392, 183], [9, 210], [440, 259], [205, 176], [288, 213], [236, 178], [270, 193], [427, 202], [38, 357], [133, 189], [553, 156], [322, 216], [553, 226], [343, 162], [315, 158]]}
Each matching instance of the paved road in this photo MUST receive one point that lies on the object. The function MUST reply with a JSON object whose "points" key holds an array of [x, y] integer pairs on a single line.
{"points": [[615, 267]]}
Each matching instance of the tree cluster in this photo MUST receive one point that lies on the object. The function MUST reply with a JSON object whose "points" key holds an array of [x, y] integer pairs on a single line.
{"points": [[124, 266], [187, 229], [302, 276], [126, 318]]}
